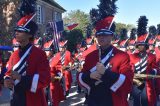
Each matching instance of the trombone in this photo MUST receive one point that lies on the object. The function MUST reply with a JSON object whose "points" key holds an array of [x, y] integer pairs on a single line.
{"points": [[145, 76], [137, 77]]}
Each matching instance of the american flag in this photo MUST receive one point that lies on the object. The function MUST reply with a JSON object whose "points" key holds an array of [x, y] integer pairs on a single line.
{"points": [[57, 32]]}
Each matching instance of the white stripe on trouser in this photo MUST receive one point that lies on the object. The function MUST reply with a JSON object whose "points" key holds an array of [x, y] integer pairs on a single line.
{"points": [[83, 83]]}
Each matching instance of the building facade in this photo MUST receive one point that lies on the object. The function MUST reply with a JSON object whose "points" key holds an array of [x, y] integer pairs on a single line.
{"points": [[47, 11]]}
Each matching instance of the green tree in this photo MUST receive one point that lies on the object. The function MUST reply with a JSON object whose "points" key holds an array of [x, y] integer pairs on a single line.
{"points": [[79, 17], [120, 26]]}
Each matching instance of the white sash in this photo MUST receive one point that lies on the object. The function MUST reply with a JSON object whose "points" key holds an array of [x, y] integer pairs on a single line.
{"points": [[23, 57], [103, 61], [23, 66]]}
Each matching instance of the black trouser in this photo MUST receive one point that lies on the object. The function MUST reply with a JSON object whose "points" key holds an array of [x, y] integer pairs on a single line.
{"points": [[19, 99], [139, 96]]}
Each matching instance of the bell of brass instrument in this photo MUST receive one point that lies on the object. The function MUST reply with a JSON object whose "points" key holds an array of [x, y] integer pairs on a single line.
{"points": [[137, 82]]}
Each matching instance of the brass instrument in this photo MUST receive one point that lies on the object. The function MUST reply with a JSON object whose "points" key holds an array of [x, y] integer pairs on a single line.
{"points": [[55, 78], [137, 77], [66, 67], [137, 82], [145, 76]]}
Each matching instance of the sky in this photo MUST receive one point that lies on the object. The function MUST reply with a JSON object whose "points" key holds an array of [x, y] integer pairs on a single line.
{"points": [[128, 10]]}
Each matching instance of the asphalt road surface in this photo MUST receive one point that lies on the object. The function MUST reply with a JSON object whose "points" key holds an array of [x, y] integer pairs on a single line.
{"points": [[5, 97], [74, 99]]}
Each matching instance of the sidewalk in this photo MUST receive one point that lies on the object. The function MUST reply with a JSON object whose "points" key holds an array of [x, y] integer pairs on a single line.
{"points": [[5, 97]]}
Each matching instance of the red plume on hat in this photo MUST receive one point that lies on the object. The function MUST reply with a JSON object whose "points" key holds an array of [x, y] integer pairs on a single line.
{"points": [[48, 46], [14, 42], [37, 40], [104, 23], [122, 43], [142, 39], [102, 18], [115, 41], [132, 42], [45, 45], [151, 41], [142, 30], [63, 43], [89, 41], [27, 12]]}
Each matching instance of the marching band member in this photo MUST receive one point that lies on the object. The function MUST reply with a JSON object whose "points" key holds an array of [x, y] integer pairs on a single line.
{"points": [[48, 48], [143, 92], [123, 43], [79, 60], [157, 53], [60, 76], [116, 80], [38, 42], [152, 39], [151, 43], [28, 68], [106, 72], [131, 42]]}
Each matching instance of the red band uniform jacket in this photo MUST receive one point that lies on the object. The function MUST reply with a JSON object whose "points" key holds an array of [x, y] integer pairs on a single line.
{"points": [[150, 68], [36, 65], [56, 69], [116, 82]]}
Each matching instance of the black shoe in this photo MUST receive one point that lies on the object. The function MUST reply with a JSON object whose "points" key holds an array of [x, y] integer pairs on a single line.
{"points": [[67, 93], [86, 102], [78, 91]]}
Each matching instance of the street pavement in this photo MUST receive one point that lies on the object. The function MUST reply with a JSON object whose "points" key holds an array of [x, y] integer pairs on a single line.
{"points": [[5, 97], [74, 99]]}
